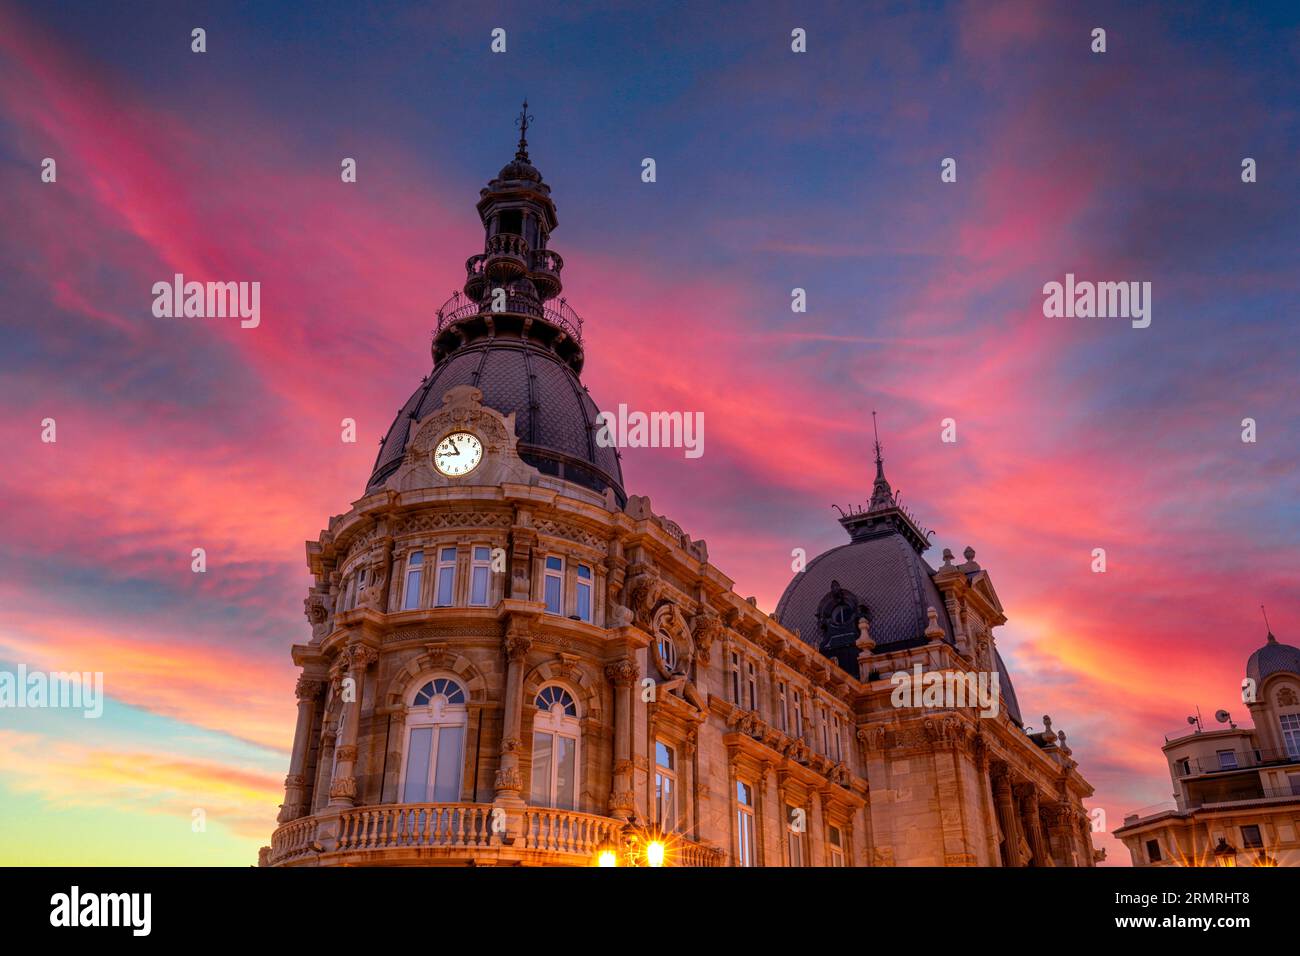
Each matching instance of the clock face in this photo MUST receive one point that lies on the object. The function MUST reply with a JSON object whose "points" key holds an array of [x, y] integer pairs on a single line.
{"points": [[458, 454]]}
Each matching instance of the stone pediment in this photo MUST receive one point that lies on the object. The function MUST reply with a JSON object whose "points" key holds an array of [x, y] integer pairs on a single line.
{"points": [[462, 411]]}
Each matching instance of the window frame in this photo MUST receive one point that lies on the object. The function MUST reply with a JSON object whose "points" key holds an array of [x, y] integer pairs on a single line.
{"points": [[666, 774], [477, 564], [416, 571], [746, 824], [548, 723], [435, 716], [553, 574], [446, 566], [584, 586]]}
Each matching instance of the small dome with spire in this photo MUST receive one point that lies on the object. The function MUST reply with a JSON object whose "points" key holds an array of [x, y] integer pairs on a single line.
{"points": [[1273, 658]]}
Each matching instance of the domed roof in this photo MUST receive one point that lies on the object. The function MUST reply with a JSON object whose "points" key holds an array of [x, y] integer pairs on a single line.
{"points": [[886, 574], [1273, 658], [555, 418]]}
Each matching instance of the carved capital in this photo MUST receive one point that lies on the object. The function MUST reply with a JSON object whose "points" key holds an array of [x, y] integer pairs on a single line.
{"points": [[344, 787], [623, 672], [308, 689]]}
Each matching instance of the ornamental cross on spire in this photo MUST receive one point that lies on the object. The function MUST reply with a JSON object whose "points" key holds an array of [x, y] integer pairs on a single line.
{"points": [[522, 123]]}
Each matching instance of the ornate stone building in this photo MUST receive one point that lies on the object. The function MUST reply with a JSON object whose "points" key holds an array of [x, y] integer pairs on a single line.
{"points": [[1236, 789], [513, 661]]}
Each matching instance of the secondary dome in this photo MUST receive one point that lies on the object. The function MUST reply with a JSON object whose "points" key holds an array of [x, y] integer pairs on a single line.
{"points": [[880, 574], [1273, 658]]}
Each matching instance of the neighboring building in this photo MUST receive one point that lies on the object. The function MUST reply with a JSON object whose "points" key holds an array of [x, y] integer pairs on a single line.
{"points": [[514, 662], [1237, 789]]}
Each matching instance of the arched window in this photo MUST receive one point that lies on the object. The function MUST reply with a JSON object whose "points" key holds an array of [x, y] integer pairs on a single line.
{"points": [[556, 733], [435, 743]]}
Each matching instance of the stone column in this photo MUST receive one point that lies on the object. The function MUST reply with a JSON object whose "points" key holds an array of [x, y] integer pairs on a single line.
{"points": [[1007, 816], [509, 783], [343, 788], [623, 675], [295, 785], [816, 842], [1028, 794]]}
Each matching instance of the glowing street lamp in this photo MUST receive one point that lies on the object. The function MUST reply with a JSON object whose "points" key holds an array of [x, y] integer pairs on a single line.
{"points": [[607, 857], [654, 853], [1224, 855]]}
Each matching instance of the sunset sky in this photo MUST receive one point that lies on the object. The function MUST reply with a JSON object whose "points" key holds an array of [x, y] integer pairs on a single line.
{"points": [[775, 171]]}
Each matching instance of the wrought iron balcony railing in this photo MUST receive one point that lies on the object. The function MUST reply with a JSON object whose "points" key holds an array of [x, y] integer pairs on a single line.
{"points": [[558, 312]]}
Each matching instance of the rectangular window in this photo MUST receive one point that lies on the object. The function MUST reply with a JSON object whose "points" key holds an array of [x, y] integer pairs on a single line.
{"points": [[1153, 851], [446, 775], [584, 593], [1227, 760], [480, 576], [797, 824], [417, 766], [1251, 837], [1185, 767], [826, 731], [751, 684], [554, 771], [414, 571], [1294, 779], [797, 729], [745, 850], [836, 736], [1291, 735], [835, 846], [665, 786], [446, 577], [735, 679], [554, 591], [781, 714]]}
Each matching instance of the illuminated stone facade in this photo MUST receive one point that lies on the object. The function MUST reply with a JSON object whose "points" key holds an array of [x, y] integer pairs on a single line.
{"points": [[522, 664], [1236, 789]]}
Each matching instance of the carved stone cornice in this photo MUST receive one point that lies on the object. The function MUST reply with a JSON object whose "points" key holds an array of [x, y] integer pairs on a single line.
{"points": [[308, 688]]}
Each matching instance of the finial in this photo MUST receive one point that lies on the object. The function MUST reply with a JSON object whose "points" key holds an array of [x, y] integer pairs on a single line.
{"points": [[522, 123], [880, 462], [933, 631], [947, 557], [864, 643]]}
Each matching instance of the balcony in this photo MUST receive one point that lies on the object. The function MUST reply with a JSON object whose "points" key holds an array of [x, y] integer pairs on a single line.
{"points": [[458, 834], [1233, 760], [507, 257], [544, 270], [558, 313]]}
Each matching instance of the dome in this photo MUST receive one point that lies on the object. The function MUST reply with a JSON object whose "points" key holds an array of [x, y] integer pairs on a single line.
{"points": [[519, 169], [1273, 658], [887, 575], [555, 418]]}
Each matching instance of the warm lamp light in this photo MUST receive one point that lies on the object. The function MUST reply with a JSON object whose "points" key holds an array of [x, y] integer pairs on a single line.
{"points": [[607, 858], [1224, 855], [654, 853]]}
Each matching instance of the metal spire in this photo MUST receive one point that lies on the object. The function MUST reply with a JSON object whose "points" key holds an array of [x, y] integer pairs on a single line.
{"points": [[522, 122], [1268, 627], [880, 462]]}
